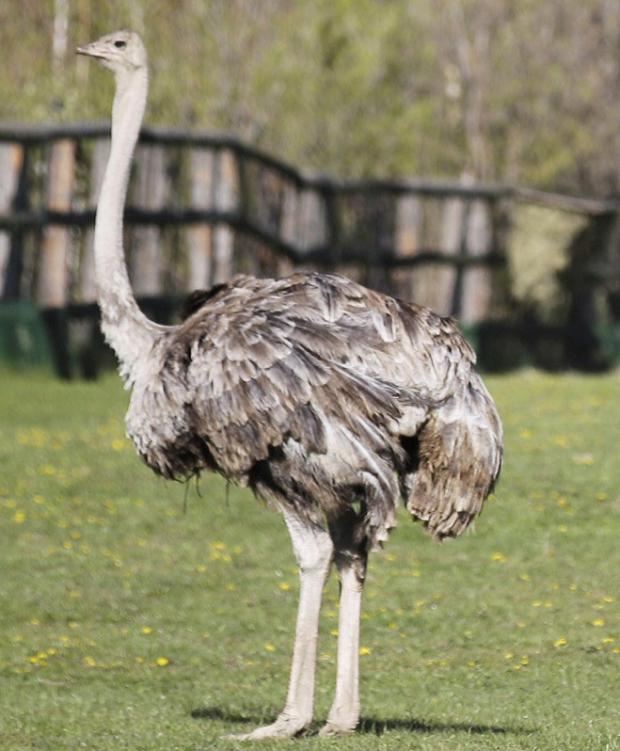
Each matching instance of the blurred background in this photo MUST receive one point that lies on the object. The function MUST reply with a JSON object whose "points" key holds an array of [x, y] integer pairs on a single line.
{"points": [[464, 155]]}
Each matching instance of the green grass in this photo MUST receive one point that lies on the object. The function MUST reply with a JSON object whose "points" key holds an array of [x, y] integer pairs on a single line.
{"points": [[506, 639]]}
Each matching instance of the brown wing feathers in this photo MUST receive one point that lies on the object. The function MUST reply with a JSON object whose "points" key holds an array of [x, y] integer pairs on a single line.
{"points": [[277, 374]]}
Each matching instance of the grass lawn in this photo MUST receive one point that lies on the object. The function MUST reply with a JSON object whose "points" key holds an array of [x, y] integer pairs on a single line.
{"points": [[136, 616]]}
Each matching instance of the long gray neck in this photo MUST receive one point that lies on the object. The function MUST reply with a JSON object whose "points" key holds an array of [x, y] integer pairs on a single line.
{"points": [[126, 329]]}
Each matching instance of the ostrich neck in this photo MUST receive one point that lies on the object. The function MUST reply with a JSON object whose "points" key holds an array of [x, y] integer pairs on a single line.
{"points": [[127, 330]]}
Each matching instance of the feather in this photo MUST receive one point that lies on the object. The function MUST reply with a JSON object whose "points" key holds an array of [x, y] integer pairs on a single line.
{"points": [[343, 374]]}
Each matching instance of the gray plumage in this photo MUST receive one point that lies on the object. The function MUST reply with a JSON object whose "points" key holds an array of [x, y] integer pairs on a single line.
{"points": [[322, 395], [329, 400]]}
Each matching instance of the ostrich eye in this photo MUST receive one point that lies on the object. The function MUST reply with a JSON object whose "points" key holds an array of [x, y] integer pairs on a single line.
{"points": [[120, 44]]}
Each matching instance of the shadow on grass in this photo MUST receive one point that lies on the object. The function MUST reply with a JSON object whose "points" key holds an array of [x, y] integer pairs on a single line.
{"points": [[378, 727], [216, 713], [371, 725]]}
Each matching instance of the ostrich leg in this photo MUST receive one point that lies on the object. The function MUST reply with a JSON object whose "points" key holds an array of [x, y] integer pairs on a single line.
{"points": [[351, 559], [314, 551]]}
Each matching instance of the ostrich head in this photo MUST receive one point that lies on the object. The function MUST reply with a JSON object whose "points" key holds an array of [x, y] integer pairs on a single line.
{"points": [[120, 52]]}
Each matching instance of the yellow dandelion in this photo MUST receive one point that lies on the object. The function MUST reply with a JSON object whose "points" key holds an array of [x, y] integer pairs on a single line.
{"points": [[334, 632], [525, 660], [525, 433], [363, 651], [585, 460], [608, 599], [561, 642], [284, 586], [509, 656], [147, 630], [561, 441], [269, 647], [90, 662], [19, 517], [598, 622], [118, 444], [162, 662], [608, 640], [201, 568], [498, 557]]}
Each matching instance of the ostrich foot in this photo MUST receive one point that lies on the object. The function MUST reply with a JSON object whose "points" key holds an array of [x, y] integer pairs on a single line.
{"points": [[286, 726], [338, 728]]}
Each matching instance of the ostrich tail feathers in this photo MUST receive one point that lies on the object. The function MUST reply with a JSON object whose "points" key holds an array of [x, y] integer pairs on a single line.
{"points": [[460, 455]]}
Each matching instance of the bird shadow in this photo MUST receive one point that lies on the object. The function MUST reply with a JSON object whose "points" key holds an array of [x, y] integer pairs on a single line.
{"points": [[217, 713], [372, 725]]}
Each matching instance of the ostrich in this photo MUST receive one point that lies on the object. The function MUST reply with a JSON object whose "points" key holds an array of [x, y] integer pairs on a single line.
{"points": [[329, 400]]}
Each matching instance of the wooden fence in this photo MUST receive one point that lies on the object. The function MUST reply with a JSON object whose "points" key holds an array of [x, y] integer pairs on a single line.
{"points": [[202, 207]]}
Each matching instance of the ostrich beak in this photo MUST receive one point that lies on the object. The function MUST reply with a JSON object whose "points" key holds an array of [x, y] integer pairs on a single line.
{"points": [[90, 50]]}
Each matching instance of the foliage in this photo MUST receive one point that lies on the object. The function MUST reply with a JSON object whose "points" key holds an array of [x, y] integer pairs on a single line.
{"points": [[512, 90], [128, 623]]}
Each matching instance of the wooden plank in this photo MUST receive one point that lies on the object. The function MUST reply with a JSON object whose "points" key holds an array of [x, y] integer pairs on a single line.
{"points": [[11, 162], [477, 282], [407, 240], [198, 237], [53, 277], [151, 192], [433, 284], [312, 221], [288, 224], [87, 289], [227, 200]]}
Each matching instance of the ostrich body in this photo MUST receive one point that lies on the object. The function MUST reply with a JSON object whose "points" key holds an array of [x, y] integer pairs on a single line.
{"points": [[331, 401]]}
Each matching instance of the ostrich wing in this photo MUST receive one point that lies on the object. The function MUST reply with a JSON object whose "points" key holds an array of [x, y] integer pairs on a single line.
{"points": [[305, 388]]}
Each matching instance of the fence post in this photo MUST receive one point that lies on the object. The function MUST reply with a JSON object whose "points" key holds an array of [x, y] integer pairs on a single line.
{"points": [[312, 220], [87, 286], [53, 280], [11, 161], [53, 276], [152, 188], [226, 200], [433, 283], [198, 236], [476, 290], [406, 242]]}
